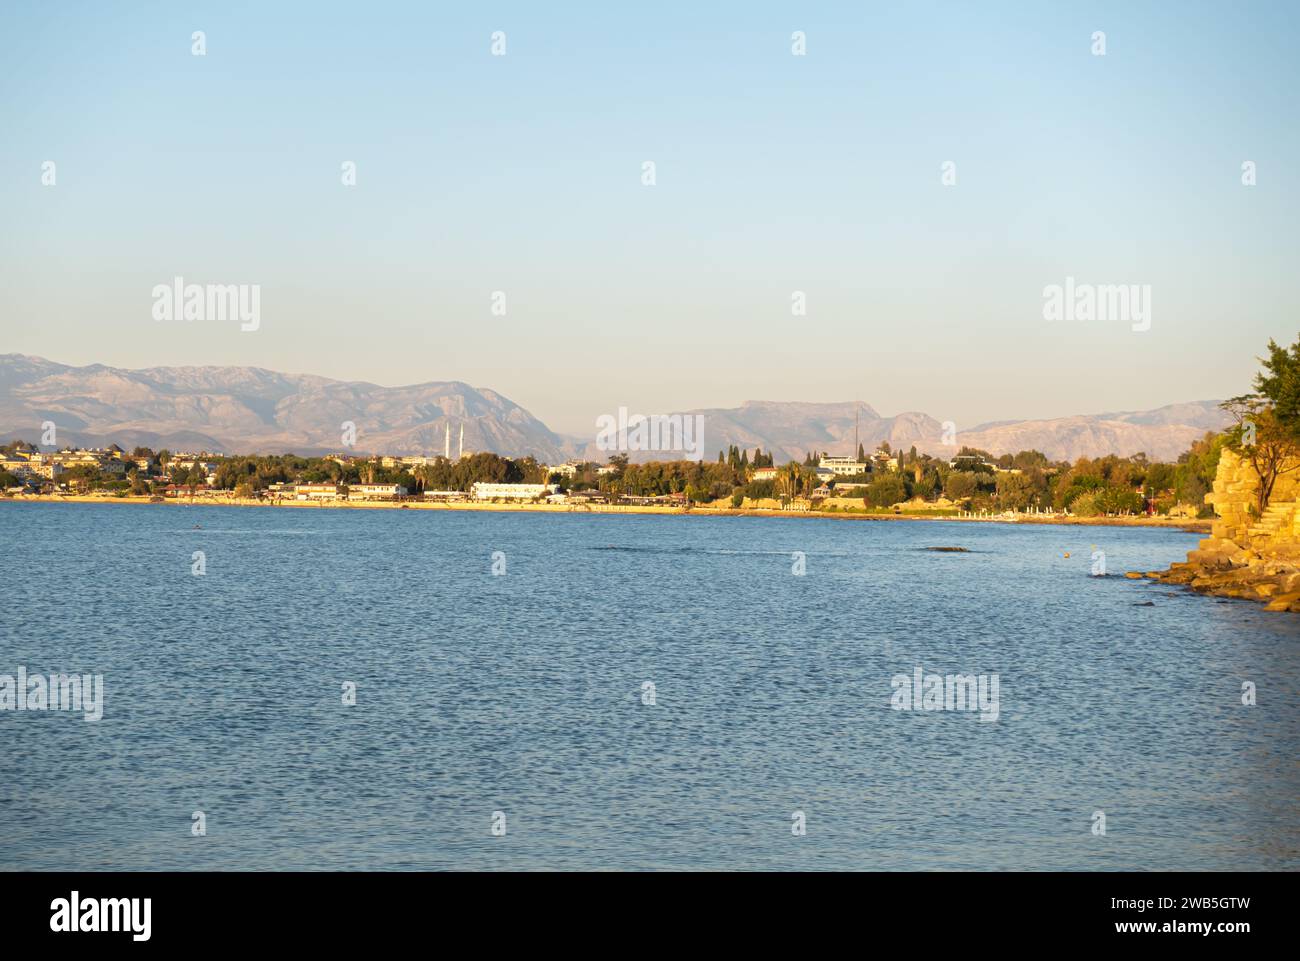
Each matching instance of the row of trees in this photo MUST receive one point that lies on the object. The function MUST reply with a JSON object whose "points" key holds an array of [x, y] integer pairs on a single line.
{"points": [[1104, 485]]}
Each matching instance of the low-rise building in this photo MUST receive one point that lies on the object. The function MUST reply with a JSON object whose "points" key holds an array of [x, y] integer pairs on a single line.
{"points": [[843, 466], [190, 462], [588, 497], [375, 492], [390, 462], [482, 491], [50, 470], [445, 496], [191, 490], [17, 463], [882, 460], [318, 492]]}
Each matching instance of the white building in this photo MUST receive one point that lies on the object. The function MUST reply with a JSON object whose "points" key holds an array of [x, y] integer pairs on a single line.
{"points": [[375, 492], [317, 492], [485, 492], [445, 495], [843, 466]]}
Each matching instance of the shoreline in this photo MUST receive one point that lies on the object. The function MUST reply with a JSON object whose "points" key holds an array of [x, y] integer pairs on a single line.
{"points": [[1190, 526]]}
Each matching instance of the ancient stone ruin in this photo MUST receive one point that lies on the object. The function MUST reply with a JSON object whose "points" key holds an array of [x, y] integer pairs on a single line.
{"points": [[1248, 555]]}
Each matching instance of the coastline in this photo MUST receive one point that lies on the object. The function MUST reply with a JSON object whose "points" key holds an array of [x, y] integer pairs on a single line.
{"points": [[1191, 526]]}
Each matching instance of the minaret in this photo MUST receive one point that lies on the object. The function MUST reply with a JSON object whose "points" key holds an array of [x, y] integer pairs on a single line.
{"points": [[461, 452], [446, 443], [856, 442]]}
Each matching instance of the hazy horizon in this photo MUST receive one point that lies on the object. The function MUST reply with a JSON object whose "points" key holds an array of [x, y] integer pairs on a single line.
{"points": [[775, 173], [884, 411]]}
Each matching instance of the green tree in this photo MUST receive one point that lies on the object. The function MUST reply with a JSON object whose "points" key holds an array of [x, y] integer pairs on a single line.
{"points": [[885, 491], [1117, 500], [1262, 438], [1278, 385], [1014, 491], [960, 485]]}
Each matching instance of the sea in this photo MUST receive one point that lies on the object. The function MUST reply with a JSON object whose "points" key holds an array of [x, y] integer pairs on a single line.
{"points": [[324, 689]]}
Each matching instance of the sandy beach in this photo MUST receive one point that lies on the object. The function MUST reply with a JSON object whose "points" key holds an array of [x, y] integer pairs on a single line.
{"points": [[1183, 524]]}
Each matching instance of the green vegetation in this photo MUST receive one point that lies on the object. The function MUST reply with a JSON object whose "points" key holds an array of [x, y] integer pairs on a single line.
{"points": [[1267, 428]]}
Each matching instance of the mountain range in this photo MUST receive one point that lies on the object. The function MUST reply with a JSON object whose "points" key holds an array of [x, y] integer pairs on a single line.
{"points": [[252, 410]]}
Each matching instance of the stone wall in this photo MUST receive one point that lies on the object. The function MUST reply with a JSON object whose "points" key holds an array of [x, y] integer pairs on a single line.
{"points": [[1248, 555], [1237, 528]]}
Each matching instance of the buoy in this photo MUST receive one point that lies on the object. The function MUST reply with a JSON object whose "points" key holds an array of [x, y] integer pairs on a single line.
{"points": [[1067, 553]]}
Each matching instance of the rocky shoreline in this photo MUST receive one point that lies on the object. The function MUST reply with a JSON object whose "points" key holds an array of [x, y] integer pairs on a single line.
{"points": [[1248, 555], [1276, 584]]}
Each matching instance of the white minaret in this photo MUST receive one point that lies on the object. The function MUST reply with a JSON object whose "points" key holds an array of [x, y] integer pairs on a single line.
{"points": [[446, 443], [461, 452]]}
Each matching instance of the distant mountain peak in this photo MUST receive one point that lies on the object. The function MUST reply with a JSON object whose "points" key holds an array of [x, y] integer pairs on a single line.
{"points": [[253, 409]]}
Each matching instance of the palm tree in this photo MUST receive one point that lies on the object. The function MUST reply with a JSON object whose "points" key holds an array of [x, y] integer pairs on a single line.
{"points": [[789, 481]]}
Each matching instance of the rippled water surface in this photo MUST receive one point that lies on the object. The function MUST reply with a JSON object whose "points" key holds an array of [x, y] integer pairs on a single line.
{"points": [[523, 694]]}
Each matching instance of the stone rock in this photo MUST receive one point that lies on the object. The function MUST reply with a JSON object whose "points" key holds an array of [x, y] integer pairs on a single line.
{"points": [[1233, 561], [1283, 602]]}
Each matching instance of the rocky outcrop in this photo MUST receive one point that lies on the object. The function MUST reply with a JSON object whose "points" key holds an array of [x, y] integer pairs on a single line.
{"points": [[1247, 555]]}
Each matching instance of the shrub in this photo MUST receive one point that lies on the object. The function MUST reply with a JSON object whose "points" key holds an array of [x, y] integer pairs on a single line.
{"points": [[1084, 505], [885, 490]]}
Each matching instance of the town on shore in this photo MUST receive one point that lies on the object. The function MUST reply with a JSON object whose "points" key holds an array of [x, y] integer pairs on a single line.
{"points": [[971, 484]]}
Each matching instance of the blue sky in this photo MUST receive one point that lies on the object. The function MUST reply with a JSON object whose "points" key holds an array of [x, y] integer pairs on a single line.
{"points": [[775, 173]]}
